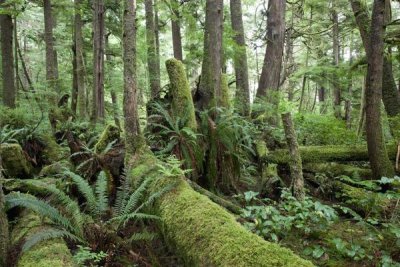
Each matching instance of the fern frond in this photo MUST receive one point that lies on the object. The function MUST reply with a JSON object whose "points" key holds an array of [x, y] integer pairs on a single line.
{"points": [[47, 234], [135, 197], [150, 200], [69, 205], [134, 216], [101, 192], [122, 194], [41, 207], [143, 236], [85, 189]]}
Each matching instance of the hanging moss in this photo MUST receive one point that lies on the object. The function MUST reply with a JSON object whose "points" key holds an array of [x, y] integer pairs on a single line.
{"points": [[110, 134], [202, 232], [182, 102], [53, 252], [15, 163]]}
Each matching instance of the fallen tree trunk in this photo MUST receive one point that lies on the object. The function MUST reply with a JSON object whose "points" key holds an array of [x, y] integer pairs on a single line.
{"points": [[335, 169], [202, 232], [327, 154], [52, 252]]}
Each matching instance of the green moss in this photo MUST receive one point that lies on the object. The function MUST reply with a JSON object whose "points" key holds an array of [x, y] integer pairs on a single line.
{"points": [[55, 168], [53, 252], [182, 102], [14, 162], [328, 153], [261, 148], [53, 152], [110, 134], [335, 169], [361, 200], [224, 101], [205, 234], [394, 124]]}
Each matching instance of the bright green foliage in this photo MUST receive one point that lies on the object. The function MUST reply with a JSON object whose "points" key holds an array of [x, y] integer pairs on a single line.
{"points": [[314, 129], [85, 254], [278, 220], [110, 135]]}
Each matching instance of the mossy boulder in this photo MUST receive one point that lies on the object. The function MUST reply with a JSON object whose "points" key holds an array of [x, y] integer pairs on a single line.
{"points": [[110, 134], [53, 252], [14, 161], [55, 168], [202, 232]]}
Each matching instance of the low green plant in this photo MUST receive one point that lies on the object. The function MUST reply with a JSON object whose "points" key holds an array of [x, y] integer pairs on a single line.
{"points": [[86, 257], [275, 220]]}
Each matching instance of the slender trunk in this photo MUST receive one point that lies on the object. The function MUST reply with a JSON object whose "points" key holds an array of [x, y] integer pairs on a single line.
{"points": [[242, 102], [74, 91], [176, 30], [336, 59], [361, 120], [270, 75], [98, 60], [132, 127], [9, 91], [16, 57], [157, 38], [295, 163], [154, 74], [348, 106], [210, 84], [380, 163], [80, 70], [51, 61]]}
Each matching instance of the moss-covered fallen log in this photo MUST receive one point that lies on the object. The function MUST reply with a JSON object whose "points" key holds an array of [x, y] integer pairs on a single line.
{"points": [[335, 169], [204, 233], [327, 154], [52, 252]]}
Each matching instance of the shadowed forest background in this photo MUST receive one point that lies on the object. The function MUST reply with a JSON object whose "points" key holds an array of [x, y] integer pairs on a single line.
{"points": [[200, 133]]}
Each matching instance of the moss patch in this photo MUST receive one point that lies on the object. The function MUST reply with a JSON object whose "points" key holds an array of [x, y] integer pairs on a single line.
{"points": [[14, 161], [110, 134]]}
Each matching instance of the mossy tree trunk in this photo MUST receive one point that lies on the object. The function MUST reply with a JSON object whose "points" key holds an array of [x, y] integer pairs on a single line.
{"points": [[152, 66], [380, 163], [295, 163], [6, 25], [242, 101], [210, 83]]}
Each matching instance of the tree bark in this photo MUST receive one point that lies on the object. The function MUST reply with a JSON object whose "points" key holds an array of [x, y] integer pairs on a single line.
{"points": [[295, 164], [336, 59], [4, 231], [98, 60], [132, 127], [74, 90], [270, 75], [152, 66], [176, 30], [380, 163], [9, 91], [210, 83], [80, 70], [242, 101], [51, 61], [390, 94]]}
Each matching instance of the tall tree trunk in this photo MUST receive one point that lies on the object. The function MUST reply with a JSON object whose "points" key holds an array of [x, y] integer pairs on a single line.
{"points": [[152, 65], [242, 102], [51, 61], [98, 60], [9, 91], [348, 104], [80, 70], [380, 163], [270, 75], [132, 127], [209, 92], [390, 94], [74, 90], [336, 58], [295, 164], [176, 30]]}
